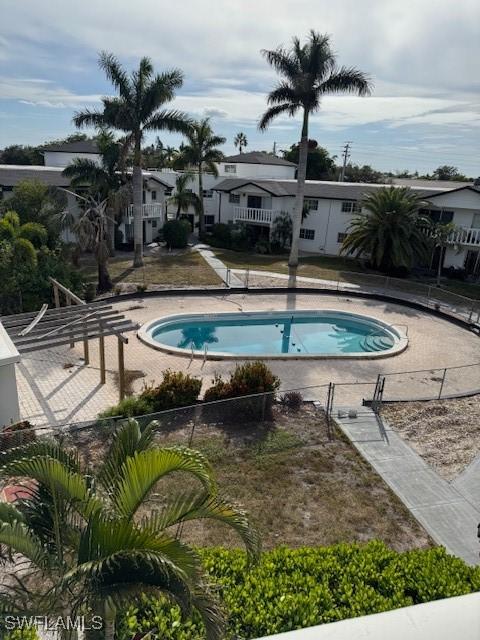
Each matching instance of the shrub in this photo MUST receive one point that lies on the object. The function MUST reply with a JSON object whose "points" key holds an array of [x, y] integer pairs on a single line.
{"points": [[262, 246], [292, 400], [175, 233], [16, 435], [177, 389], [128, 407], [222, 233], [296, 588], [247, 379], [35, 232], [90, 292]]}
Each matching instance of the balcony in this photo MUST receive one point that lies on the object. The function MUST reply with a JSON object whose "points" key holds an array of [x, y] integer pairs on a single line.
{"points": [[255, 216], [149, 211], [465, 237]]}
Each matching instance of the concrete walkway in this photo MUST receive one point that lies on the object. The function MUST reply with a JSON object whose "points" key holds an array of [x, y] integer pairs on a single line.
{"points": [[218, 266], [449, 516], [468, 482]]}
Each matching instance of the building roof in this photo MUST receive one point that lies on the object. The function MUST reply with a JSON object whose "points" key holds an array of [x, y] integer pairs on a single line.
{"points": [[258, 157], [81, 146], [12, 174], [427, 184], [314, 189]]}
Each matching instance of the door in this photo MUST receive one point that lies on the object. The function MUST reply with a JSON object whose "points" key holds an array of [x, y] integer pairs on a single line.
{"points": [[254, 202]]}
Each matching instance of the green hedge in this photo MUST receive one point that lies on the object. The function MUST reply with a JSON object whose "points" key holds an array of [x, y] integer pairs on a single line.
{"points": [[294, 588]]}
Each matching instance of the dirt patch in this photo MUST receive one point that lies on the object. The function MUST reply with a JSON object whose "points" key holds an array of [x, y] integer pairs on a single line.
{"points": [[299, 486], [446, 433]]}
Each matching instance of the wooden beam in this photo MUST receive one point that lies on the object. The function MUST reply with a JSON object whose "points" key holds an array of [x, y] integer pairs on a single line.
{"points": [[101, 346], [121, 370], [73, 330], [22, 319], [51, 325], [86, 353], [56, 296], [69, 294]]}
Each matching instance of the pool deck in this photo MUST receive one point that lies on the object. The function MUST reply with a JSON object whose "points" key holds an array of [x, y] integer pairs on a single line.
{"points": [[56, 387]]}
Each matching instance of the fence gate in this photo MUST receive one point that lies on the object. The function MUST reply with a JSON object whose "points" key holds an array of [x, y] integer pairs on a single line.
{"points": [[378, 394]]}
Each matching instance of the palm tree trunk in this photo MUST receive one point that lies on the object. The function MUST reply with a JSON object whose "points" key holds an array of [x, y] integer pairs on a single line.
{"points": [[111, 230], [439, 268], [109, 622], [297, 215], [137, 208], [201, 213], [104, 281]]}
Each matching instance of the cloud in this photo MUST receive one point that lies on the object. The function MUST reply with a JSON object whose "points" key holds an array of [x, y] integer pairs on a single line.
{"points": [[40, 92], [212, 112]]}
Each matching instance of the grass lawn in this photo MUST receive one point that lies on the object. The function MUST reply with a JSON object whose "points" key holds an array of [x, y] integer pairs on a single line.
{"points": [[299, 487], [186, 268]]}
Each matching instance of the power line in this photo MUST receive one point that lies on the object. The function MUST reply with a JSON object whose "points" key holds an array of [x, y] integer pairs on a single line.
{"points": [[346, 155]]}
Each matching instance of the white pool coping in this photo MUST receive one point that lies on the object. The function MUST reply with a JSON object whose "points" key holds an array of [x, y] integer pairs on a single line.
{"points": [[144, 334]]}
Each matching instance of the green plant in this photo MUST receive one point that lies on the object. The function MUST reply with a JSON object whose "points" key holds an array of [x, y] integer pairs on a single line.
{"points": [[222, 233], [85, 542], [247, 379], [281, 235], [177, 389], [175, 233], [90, 292], [262, 246], [292, 400], [129, 407], [14, 435], [296, 588]]}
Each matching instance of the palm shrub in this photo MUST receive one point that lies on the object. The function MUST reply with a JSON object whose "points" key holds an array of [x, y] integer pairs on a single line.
{"points": [[308, 73], [82, 544], [391, 232], [175, 233]]}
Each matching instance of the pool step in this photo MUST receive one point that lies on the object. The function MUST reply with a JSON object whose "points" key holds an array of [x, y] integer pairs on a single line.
{"points": [[373, 343]]}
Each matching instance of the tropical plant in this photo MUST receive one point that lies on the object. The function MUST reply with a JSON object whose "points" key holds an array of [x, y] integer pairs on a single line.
{"points": [[240, 141], [80, 539], [391, 232], [137, 110], [33, 232], [281, 234], [440, 234], [175, 233], [309, 72], [183, 197], [106, 181], [201, 153]]}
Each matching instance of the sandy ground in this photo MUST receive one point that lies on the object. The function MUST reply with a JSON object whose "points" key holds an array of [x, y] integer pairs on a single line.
{"points": [[445, 433]]}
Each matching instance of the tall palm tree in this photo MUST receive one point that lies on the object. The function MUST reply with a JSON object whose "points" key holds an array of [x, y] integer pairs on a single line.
{"points": [[201, 153], [136, 111], [184, 198], [391, 232], [308, 73], [84, 547], [240, 141], [106, 181]]}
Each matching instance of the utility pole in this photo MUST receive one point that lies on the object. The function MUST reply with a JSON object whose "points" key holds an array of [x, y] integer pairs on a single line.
{"points": [[274, 148], [346, 156]]}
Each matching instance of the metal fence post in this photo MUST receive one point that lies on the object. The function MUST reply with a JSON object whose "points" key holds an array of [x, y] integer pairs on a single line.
{"points": [[387, 282], [442, 383], [247, 277]]}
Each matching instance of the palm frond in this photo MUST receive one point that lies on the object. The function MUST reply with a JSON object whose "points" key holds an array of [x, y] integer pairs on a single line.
{"points": [[44, 447], [10, 514], [89, 118], [284, 62], [271, 113], [16, 537], [116, 74], [169, 120], [283, 93], [347, 80]]}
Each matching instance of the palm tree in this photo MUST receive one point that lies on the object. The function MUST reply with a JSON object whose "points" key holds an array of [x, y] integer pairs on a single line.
{"points": [[83, 545], [440, 234], [308, 73], [201, 153], [184, 198], [106, 181], [135, 111], [240, 141], [392, 232]]}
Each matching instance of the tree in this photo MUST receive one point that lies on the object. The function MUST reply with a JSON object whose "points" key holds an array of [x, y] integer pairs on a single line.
{"points": [[20, 154], [440, 234], [106, 181], [365, 173], [240, 141], [281, 233], [184, 198], [320, 164], [448, 172], [392, 232], [308, 73], [201, 153], [135, 111], [86, 548]]}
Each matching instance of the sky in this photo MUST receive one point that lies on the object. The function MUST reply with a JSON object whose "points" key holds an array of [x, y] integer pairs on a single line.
{"points": [[422, 56]]}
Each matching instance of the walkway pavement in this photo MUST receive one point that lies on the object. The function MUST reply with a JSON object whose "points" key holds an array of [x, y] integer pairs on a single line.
{"points": [[468, 482], [218, 266], [449, 516]]}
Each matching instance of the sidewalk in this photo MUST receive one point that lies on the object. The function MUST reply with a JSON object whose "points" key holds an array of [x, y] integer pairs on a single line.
{"points": [[447, 515]]}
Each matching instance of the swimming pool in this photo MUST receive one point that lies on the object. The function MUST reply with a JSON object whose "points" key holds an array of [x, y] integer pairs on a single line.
{"points": [[276, 334]]}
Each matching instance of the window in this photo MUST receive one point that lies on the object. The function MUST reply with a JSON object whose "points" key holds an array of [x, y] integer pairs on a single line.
{"points": [[351, 207], [307, 234], [476, 221], [154, 224], [437, 215], [311, 203], [230, 168], [209, 222], [234, 198], [207, 193], [154, 195], [341, 237], [168, 191]]}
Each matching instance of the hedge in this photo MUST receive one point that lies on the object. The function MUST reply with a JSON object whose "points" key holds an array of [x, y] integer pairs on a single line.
{"points": [[295, 588]]}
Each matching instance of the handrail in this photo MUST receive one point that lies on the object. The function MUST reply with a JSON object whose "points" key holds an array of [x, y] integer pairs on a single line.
{"points": [[66, 291], [35, 321]]}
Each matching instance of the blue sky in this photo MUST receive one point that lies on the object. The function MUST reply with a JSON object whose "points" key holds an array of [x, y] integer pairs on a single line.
{"points": [[421, 54]]}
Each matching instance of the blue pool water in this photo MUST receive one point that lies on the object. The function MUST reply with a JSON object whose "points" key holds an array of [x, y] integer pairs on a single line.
{"points": [[276, 334]]}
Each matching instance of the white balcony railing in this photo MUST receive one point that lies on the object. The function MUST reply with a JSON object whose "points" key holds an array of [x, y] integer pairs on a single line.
{"points": [[465, 236], [148, 211], [259, 216]]}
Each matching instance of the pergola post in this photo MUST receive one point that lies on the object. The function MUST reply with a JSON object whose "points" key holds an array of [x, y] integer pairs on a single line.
{"points": [[68, 302], [101, 346], [86, 353], [56, 296], [121, 367]]}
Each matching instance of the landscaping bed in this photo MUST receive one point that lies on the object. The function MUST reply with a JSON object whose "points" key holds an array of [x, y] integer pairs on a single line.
{"points": [[446, 433]]}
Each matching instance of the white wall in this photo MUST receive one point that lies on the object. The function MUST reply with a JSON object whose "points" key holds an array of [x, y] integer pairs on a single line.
{"points": [[63, 159], [9, 409], [266, 171]]}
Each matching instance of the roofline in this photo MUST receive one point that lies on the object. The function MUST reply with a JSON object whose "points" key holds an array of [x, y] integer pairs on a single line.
{"points": [[252, 183], [468, 187]]}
